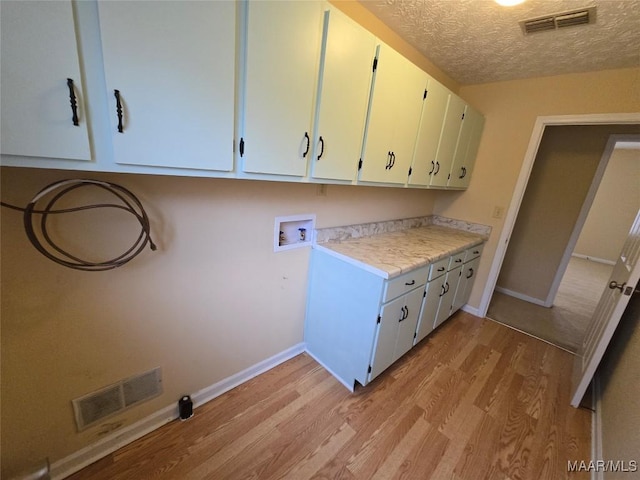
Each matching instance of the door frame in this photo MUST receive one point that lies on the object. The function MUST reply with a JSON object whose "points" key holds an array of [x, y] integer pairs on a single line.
{"points": [[523, 179]]}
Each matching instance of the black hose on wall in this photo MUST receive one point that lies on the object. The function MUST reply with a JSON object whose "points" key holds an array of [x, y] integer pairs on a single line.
{"points": [[45, 245]]}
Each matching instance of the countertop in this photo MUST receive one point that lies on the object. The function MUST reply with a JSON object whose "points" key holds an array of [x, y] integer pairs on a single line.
{"points": [[391, 254]]}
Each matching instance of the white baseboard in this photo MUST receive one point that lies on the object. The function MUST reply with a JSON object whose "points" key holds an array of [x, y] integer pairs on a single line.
{"points": [[522, 296], [594, 259], [109, 444], [472, 310]]}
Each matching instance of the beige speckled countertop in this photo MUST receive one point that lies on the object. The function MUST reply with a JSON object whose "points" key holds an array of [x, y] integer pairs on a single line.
{"points": [[394, 253]]}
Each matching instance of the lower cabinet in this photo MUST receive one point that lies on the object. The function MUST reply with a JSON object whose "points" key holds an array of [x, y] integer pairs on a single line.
{"points": [[358, 324], [398, 320]]}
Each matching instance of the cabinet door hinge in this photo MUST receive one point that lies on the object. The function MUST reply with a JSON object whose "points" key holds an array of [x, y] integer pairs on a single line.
{"points": [[379, 318], [462, 115], [410, 170], [449, 177], [360, 165], [241, 146], [415, 334], [424, 97], [369, 369], [424, 294], [375, 63]]}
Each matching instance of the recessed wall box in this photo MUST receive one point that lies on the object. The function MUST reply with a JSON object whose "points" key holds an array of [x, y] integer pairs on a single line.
{"points": [[293, 231]]}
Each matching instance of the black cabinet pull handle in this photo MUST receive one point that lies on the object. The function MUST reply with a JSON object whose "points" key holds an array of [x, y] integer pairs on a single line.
{"points": [[306, 136], [119, 110], [241, 147], [470, 273], [405, 313], [321, 140], [462, 174], [393, 160], [447, 289], [388, 165], [443, 290], [437, 168], [74, 103], [441, 269], [412, 282], [458, 260], [433, 167], [464, 169]]}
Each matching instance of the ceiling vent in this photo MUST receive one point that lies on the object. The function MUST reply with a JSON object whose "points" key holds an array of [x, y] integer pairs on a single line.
{"points": [[582, 16]]}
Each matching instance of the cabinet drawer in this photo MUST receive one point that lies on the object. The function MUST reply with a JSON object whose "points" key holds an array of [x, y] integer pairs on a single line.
{"points": [[457, 260], [405, 283], [473, 252], [438, 268]]}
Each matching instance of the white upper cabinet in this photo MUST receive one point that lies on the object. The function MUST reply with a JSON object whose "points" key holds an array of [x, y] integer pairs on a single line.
{"points": [[280, 74], [433, 113], [467, 149], [448, 142], [169, 69], [43, 112], [343, 93], [393, 119]]}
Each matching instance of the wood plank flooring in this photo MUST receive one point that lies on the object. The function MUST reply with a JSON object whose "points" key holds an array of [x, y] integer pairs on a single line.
{"points": [[475, 400]]}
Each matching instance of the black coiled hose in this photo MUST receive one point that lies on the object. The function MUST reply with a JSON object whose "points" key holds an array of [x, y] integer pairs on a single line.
{"points": [[48, 247]]}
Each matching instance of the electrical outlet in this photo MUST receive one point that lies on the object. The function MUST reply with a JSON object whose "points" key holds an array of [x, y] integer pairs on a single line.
{"points": [[498, 212]]}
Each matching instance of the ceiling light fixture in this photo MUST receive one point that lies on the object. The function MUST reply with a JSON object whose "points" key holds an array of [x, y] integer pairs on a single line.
{"points": [[508, 3]]}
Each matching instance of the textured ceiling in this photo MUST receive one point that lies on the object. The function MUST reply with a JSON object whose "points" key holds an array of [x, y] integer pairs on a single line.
{"points": [[478, 41]]}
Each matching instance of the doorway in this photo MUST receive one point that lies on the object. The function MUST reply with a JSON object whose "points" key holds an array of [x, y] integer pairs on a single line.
{"points": [[537, 273]]}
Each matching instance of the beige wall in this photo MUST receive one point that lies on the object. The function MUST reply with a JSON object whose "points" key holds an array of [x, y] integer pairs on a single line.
{"points": [[614, 208], [212, 301], [560, 179], [620, 393], [511, 109]]}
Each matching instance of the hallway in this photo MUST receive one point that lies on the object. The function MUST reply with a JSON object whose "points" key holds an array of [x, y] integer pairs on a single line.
{"points": [[565, 323]]}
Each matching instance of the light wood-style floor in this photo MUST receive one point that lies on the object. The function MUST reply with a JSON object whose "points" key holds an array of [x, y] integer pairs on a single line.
{"points": [[566, 323], [475, 400]]}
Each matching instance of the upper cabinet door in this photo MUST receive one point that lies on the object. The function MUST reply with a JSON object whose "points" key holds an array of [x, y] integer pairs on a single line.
{"points": [[448, 141], [41, 82], [433, 113], [169, 70], [343, 94], [281, 70], [467, 149], [394, 115]]}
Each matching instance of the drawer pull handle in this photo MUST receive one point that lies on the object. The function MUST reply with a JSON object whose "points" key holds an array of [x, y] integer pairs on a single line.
{"points": [[412, 282], [458, 260], [74, 103], [470, 273], [321, 141], [116, 93], [306, 136], [476, 252], [441, 269]]}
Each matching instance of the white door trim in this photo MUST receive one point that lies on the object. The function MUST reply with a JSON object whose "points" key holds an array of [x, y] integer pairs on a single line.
{"points": [[525, 171]]}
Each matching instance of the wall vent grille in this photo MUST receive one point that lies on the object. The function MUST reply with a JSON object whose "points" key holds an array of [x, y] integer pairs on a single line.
{"points": [[96, 406], [583, 16]]}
